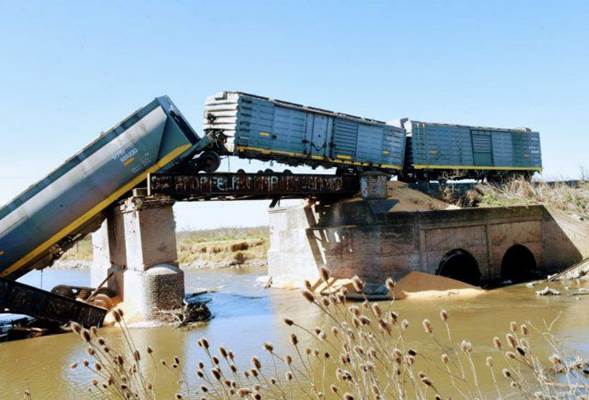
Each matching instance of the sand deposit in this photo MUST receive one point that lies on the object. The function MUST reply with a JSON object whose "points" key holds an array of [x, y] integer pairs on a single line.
{"points": [[414, 285], [410, 200], [420, 285]]}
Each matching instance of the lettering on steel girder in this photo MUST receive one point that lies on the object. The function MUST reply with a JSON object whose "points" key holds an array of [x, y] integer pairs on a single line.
{"points": [[239, 184]]}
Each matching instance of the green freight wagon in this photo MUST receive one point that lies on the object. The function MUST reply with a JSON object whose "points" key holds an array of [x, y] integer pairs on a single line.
{"points": [[444, 151], [267, 129]]}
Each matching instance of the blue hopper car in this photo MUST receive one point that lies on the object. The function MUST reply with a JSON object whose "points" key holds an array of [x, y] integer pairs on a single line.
{"points": [[46, 219]]}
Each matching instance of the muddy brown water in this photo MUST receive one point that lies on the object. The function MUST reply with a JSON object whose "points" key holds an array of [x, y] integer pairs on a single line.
{"points": [[247, 315]]}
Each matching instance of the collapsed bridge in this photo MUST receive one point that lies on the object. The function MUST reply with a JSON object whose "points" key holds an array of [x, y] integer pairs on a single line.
{"points": [[101, 187]]}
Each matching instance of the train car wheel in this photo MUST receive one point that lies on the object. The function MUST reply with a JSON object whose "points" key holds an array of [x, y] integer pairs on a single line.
{"points": [[65, 291], [209, 162]]}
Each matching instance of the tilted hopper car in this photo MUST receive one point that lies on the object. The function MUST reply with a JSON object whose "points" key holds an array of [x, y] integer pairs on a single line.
{"points": [[266, 129], [45, 220]]}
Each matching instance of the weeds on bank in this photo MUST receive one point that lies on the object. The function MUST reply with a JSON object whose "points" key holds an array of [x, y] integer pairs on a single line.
{"points": [[232, 246], [211, 247], [519, 192], [365, 355]]}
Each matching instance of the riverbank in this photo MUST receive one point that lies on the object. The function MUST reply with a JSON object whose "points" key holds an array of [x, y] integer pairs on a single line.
{"points": [[202, 249]]}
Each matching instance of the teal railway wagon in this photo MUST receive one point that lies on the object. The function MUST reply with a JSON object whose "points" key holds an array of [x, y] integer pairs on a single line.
{"points": [[448, 151], [267, 129], [42, 222]]}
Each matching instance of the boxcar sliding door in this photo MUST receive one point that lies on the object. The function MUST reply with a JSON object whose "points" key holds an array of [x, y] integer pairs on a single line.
{"points": [[482, 149], [318, 135]]}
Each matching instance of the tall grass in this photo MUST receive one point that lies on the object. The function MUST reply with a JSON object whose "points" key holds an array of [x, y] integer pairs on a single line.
{"points": [[210, 247], [365, 355], [225, 246], [519, 192]]}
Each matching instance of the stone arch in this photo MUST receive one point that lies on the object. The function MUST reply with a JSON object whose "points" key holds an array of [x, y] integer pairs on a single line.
{"points": [[518, 264], [459, 264]]}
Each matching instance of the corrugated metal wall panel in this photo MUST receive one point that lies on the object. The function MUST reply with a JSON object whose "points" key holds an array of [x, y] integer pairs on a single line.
{"points": [[345, 133], [291, 123], [502, 149], [369, 144], [393, 146], [455, 145], [441, 145]]}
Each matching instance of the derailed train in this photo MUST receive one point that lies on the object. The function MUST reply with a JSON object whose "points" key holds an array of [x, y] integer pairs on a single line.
{"points": [[261, 128], [40, 224]]}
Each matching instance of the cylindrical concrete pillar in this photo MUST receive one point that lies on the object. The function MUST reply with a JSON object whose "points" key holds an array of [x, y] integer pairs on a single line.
{"points": [[154, 283]]}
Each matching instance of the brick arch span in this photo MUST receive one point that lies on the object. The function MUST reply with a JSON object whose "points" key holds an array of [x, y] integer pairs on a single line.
{"points": [[461, 265]]}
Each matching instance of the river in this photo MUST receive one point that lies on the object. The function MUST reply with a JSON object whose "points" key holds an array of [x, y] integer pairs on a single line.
{"points": [[247, 315]]}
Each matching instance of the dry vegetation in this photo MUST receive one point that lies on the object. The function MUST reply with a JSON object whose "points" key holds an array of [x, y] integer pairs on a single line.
{"points": [[571, 200], [212, 248], [81, 251], [223, 247], [365, 356]]}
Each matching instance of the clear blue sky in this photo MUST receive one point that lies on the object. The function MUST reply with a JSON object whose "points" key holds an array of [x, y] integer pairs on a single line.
{"points": [[69, 70]]}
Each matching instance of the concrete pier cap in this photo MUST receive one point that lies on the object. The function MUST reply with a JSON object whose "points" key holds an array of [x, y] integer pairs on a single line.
{"points": [[373, 185], [137, 244]]}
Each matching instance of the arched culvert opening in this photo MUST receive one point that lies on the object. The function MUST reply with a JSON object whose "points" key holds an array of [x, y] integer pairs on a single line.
{"points": [[518, 264], [460, 265]]}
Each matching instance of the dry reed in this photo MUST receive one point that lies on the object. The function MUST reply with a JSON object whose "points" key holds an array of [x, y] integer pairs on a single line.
{"points": [[365, 355]]}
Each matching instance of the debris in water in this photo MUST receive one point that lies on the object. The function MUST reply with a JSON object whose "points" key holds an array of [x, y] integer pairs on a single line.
{"points": [[195, 309], [195, 312], [547, 291], [581, 292], [577, 271]]}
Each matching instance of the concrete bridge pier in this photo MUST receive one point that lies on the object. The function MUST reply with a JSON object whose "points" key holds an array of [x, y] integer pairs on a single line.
{"points": [[108, 250], [297, 251], [137, 243], [374, 238]]}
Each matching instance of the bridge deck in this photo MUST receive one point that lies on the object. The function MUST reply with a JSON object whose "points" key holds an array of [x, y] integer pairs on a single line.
{"points": [[242, 186]]}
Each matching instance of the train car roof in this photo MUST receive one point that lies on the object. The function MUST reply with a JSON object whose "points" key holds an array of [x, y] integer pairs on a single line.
{"points": [[301, 107], [519, 129]]}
